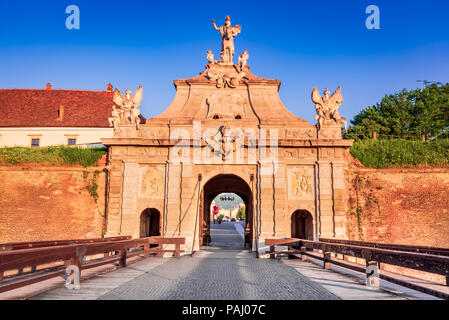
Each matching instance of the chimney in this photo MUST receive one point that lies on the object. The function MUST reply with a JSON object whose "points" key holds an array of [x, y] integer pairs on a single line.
{"points": [[109, 88], [48, 86], [61, 113]]}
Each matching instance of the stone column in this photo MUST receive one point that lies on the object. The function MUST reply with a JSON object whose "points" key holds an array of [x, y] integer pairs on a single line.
{"points": [[338, 182], [115, 197], [129, 200], [325, 213], [266, 206]]}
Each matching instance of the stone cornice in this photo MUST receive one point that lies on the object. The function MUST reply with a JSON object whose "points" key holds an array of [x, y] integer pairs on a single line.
{"points": [[285, 143]]}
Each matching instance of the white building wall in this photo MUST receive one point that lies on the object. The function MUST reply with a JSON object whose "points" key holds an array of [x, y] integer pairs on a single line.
{"points": [[49, 136]]}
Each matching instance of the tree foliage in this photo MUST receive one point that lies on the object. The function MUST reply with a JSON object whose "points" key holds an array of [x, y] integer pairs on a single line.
{"points": [[405, 114], [241, 213]]}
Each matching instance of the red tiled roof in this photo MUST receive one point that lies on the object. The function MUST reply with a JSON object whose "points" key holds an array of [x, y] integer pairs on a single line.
{"points": [[39, 108]]}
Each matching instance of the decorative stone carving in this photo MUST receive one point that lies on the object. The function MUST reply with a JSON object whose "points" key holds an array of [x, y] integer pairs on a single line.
{"points": [[330, 132], [151, 183], [327, 107], [225, 141], [300, 133], [243, 58], [291, 153], [126, 110], [224, 76], [228, 33], [301, 183], [226, 106]]}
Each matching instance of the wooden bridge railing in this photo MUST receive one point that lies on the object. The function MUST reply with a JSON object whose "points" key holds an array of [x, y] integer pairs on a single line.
{"points": [[398, 247], [74, 254], [50, 243], [432, 263]]}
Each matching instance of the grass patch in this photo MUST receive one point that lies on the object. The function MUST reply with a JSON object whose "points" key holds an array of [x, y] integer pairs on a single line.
{"points": [[52, 155], [401, 153]]}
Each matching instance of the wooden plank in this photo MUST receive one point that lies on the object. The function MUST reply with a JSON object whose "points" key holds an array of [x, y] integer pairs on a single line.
{"points": [[40, 244], [397, 247], [417, 261], [21, 283], [280, 242]]}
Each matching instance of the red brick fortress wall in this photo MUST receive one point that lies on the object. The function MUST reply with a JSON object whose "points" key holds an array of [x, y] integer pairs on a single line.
{"points": [[50, 203], [400, 206]]}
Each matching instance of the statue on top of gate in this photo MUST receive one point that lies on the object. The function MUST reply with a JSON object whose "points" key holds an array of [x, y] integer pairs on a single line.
{"points": [[228, 33], [126, 110], [327, 107]]}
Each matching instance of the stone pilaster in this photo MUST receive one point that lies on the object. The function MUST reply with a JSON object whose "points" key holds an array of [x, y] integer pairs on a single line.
{"points": [[130, 217]]}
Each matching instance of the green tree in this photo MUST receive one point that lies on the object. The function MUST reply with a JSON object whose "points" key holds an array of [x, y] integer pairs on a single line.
{"points": [[241, 213], [405, 114]]}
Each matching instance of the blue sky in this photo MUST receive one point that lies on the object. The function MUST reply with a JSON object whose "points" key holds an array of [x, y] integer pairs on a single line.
{"points": [[152, 43]]}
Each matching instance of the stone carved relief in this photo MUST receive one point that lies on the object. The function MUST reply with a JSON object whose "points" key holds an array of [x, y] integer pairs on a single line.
{"points": [[330, 133], [300, 184], [300, 133], [152, 183], [327, 153], [224, 77], [327, 107], [226, 106], [294, 153], [153, 133], [150, 152], [126, 108]]}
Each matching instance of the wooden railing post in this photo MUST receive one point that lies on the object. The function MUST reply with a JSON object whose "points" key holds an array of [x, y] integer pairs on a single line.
{"points": [[303, 254], [272, 254], [123, 253], [146, 248], [177, 249], [327, 260], [372, 274], [79, 255]]}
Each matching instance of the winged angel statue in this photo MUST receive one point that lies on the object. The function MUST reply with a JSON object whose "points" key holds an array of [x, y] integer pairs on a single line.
{"points": [[127, 107], [327, 107]]}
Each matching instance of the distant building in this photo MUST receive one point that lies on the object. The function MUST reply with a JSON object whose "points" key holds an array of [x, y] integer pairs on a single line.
{"points": [[47, 117]]}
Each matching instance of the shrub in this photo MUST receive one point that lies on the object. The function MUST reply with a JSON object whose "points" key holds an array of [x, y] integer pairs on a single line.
{"points": [[52, 155], [401, 153]]}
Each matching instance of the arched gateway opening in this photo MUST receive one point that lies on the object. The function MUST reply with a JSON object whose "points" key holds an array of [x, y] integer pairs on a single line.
{"points": [[302, 225], [225, 183], [150, 223]]}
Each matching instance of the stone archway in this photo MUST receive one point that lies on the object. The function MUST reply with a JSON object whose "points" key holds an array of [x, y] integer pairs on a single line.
{"points": [[225, 183], [150, 223], [302, 225]]}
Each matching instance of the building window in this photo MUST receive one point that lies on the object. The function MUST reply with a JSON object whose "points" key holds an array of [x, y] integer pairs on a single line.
{"points": [[71, 141], [35, 142]]}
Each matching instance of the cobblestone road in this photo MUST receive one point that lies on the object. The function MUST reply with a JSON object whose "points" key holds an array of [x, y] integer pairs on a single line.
{"points": [[224, 271]]}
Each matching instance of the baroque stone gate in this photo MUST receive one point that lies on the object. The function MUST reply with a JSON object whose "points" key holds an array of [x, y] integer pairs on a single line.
{"points": [[227, 131]]}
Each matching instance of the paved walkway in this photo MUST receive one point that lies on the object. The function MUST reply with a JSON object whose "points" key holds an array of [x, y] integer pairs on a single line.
{"points": [[225, 236], [224, 271]]}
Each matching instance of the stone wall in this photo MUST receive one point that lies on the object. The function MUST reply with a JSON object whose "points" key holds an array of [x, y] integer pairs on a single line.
{"points": [[400, 206], [50, 203]]}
